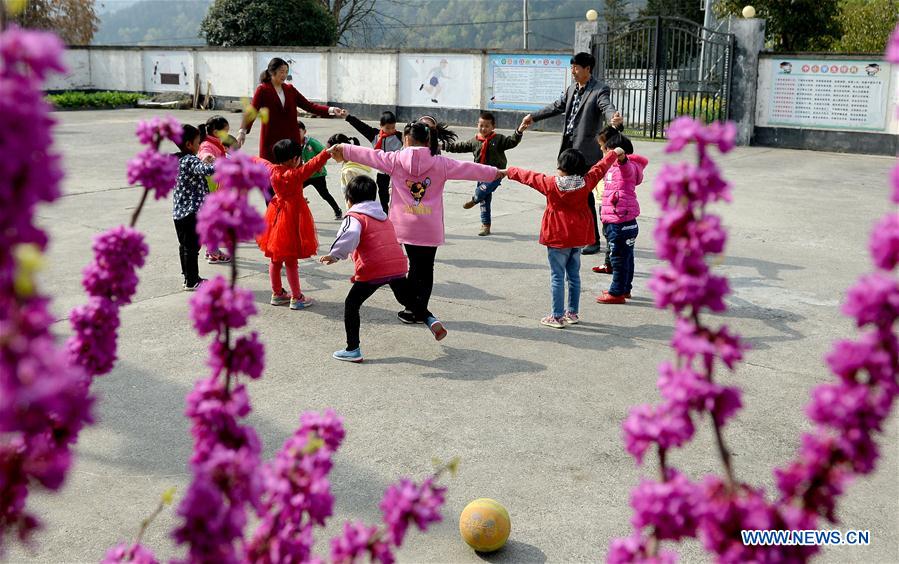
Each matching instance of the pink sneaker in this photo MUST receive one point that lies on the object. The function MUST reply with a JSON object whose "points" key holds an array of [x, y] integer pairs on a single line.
{"points": [[571, 318], [554, 322]]}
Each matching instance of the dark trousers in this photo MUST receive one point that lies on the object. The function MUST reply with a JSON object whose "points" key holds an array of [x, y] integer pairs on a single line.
{"points": [[421, 279], [622, 237], [360, 292], [383, 181], [188, 248], [320, 183], [591, 200]]}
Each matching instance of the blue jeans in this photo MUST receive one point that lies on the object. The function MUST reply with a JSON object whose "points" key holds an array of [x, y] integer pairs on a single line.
{"points": [[622, 237], [483, 194], [562, 263]]}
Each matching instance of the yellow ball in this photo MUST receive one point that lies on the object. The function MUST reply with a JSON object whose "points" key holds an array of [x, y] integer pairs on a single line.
{"points": [[592, 15], [748, 12], [485, 525]]}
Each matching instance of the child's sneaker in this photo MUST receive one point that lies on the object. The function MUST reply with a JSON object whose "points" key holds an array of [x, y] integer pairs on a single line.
{"points": [[553, 321], [211, 258], [469, 204], [436, 328], [571, 318], [224, 258], [407, 317], [280, 299], [349, 356], [192, 287], [300, 303]]}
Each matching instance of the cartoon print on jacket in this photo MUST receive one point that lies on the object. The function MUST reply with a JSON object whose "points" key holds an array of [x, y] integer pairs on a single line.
{"points": [[418, 189]]}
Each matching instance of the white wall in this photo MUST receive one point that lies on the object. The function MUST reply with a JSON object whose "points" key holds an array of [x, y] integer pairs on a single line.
{"points": [[362, 78], [117, 70], [231, 73], [78, 63], [387, 78]]}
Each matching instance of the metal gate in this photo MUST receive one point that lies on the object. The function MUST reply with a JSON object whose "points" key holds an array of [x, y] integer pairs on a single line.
{"points": [[659, 68]]}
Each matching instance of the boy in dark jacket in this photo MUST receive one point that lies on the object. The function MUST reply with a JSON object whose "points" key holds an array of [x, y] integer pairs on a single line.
{"points": [[488, 147], [387, 139]]}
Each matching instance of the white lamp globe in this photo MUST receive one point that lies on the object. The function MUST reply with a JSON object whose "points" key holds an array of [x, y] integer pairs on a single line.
{"points": [[748, 12], [592, 15]]}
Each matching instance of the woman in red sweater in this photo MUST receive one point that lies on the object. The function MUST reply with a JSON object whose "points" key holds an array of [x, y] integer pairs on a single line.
{"points": [[567, 224], [282, 100]]}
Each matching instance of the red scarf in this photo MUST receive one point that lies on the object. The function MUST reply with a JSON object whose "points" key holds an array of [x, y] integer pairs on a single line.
{"points": [[217, 142], [381, 136], [484, 141]]}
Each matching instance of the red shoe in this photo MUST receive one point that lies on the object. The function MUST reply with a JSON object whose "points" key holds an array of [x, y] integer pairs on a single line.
{"points": [[628, 295], [607, 298], [602, 269]]}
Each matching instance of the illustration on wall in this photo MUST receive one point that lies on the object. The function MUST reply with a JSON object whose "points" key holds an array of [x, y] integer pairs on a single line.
{"points": [[438, 80]]}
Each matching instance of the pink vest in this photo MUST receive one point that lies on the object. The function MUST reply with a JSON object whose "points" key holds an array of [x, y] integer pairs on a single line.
{"points": [[379, 255]]}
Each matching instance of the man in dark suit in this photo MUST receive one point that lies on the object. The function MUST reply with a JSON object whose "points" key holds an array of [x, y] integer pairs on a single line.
{"points": [[585, 104]]}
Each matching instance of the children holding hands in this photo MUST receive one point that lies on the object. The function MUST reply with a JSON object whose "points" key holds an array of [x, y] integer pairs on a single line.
{"points": [[567, 224], [488, 147]]}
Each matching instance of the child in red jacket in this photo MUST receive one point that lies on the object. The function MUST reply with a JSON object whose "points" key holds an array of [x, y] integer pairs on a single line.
{"points": [[368, 237], [567, 224], [289, 228]]}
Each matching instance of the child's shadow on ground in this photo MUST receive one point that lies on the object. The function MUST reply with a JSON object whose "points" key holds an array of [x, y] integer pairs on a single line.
{"points": [[466, 364]]}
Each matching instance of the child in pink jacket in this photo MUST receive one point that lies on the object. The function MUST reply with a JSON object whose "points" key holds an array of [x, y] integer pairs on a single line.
{"points": [[418, 176], [619, 213]]}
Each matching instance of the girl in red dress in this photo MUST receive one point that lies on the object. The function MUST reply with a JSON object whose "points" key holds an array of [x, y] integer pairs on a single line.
{"points": [[289, 233]]}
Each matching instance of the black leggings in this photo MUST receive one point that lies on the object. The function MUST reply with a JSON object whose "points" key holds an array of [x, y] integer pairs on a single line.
{"points": [[359, 292], [188, 248], [320, 183], [383, 181], [421, 279]]}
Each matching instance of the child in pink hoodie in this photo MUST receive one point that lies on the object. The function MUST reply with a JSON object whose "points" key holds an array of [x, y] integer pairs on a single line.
{"points": [[619, 213], [418, 176]]}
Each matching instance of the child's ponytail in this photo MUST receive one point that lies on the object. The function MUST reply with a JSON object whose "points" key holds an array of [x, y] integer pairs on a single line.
{"points": [[339, 138], [204, 131]]}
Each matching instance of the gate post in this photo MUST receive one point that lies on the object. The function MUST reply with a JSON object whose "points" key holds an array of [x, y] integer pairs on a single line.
{"points": [[749, 39], [583, 36]]}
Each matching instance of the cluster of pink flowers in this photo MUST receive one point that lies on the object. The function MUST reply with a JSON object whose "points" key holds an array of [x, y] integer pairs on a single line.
{"points": [[150, 168], [227, 216], [846, 414], [298, 498], [44, 401], [297, 494], [131, 553], [226, 458], [110, 282]]}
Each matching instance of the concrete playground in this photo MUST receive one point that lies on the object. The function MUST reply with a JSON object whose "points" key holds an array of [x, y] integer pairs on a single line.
{"points": [[534, 413]]}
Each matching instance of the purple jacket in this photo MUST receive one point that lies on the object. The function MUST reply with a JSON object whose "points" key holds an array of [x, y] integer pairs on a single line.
{"points": [[619, 198]]}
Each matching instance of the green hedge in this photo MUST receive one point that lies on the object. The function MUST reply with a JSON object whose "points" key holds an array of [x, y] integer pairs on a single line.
{"points": [[77, 99]]}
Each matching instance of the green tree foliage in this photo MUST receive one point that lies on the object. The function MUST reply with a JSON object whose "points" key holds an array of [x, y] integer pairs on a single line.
{"points": [[158, 22], [866, 24], [302, 23], [615, 14], [687, 9], [793, 25]]}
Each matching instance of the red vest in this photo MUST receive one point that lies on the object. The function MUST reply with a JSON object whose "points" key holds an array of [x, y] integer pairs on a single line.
{"points": [[379, 255]]}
